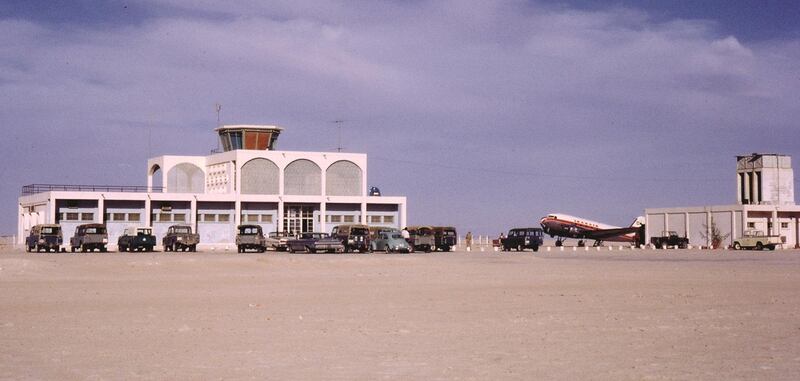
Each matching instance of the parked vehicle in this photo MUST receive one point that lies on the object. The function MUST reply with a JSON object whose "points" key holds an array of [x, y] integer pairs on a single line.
{"points": [[136, 238], [421, 238], [523, 238], [315, 243], [390, 241], [277, 241], [180, 237], [89, 237], [669, 239], [250, 237], [353, 237], [756, 239], [445, 237], [44, 237]]}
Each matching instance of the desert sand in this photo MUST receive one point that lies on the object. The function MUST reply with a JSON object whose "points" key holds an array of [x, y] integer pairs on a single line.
{"points": [[681, 314]]}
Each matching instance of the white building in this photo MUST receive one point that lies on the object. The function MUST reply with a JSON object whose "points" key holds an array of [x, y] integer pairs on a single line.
{"points": [[765, 202], [247, 183]]}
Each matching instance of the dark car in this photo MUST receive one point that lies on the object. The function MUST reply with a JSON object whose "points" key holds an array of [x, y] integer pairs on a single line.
{"points": [[89, 237], [180, 237], [250, 237], [315, 243], [353, 237], [44, 237], [523, 238], [137, 238], [421, 238], [444, 237]]}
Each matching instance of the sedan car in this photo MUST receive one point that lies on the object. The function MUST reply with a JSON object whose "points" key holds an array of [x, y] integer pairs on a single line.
{"points": [[314, 243], [390, 242]]}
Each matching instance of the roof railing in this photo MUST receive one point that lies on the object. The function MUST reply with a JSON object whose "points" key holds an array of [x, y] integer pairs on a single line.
{"points": [[41, 188]]}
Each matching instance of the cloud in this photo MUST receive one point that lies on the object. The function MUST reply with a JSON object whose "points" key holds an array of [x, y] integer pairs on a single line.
{"points": [[473, 84]]}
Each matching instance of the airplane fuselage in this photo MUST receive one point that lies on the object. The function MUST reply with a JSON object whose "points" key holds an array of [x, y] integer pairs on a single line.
{"points": [[566, 226]]}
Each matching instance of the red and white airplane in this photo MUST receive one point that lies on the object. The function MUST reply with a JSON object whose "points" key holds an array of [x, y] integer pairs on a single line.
{"points": [[565, 226]]}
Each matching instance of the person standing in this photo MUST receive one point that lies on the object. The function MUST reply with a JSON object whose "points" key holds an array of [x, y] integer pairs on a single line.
{"points": [[469, 241]]}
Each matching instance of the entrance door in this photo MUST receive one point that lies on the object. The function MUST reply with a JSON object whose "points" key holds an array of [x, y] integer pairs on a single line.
{"points": [[298, 219]]}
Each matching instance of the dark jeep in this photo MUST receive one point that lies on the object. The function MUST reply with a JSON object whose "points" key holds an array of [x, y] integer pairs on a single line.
{"points": [[44, 237], [421, 238], [89, 237], [523, 238], [353, 237], [180, 237], [251, 237], [444, 237], [136, 238]]}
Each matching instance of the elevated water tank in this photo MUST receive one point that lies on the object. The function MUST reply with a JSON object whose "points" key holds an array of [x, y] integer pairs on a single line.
{"points": [[250, 137]]}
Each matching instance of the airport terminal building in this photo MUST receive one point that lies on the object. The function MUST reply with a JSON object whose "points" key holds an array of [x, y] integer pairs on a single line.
{"points": [[247, 182], [765, 202]]}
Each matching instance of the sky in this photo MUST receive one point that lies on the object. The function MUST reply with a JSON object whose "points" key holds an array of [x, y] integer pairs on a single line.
{"points": [[487, 115]]}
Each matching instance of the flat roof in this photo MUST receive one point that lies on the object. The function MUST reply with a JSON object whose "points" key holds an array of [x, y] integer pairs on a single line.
{"points": [[248, 127]]}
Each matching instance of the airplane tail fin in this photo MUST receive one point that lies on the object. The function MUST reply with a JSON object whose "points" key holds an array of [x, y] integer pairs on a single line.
{"points": [[639, 221]]}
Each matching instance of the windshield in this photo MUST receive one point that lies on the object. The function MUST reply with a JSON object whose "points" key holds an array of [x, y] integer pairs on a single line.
{"points": [[449, 233], [182, 230], [359, 231], [248, 230], [50, 230], [144, 232], [95, 230], [397, 236]]}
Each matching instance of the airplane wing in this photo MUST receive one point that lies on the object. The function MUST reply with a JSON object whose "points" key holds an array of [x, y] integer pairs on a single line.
{"points": [[603, 234]]}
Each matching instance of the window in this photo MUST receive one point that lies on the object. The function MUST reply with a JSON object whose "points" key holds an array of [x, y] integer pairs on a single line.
{"points": [[87, 216], [751, 225], [348, 219], [209, 217], [784, 225], [118, 217], [374, 219], [72, 217], [164, 217], [179, 217], [108, 216], [252, 218], [134, 217], [224, 218], [336, 218], [388, 219], [266, 218]]}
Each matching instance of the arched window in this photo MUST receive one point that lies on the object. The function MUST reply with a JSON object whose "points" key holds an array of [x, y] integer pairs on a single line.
{"points": [[185, 178], [302, 177], [343, 178], [260, 176]]}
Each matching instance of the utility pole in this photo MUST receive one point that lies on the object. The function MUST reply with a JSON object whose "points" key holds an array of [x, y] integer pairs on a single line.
{"points": [[339, 126]]}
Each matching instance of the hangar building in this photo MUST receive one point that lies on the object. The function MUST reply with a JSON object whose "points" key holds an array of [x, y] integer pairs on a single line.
{"points": [[765, 202], [246, 182]]}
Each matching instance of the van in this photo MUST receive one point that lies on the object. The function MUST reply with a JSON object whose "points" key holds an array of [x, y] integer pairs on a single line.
{"points": [[445, 237], [44, 237], [353, 237]]}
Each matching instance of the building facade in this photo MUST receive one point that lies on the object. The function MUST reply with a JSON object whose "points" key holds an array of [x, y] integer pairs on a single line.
{"points": [[765, 202], [246, 183]]}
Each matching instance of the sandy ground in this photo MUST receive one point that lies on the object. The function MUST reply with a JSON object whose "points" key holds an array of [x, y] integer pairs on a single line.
{"points": [[685, 314]]}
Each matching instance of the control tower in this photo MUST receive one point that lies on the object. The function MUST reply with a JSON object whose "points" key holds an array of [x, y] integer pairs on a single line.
{"points": [[248, 137], [764, 179]]}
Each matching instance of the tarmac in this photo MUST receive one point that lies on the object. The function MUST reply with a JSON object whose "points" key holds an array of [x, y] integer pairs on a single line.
{"points": [[479, 315]]}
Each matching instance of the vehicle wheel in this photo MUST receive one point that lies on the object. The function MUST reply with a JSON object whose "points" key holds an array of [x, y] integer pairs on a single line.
{"points": [[427, 249], [28, 248], [386, 249], [559, 243], [311, 250], [771, 247], [536, 248], [519, 248], [239, 248], [58, 248], [149, 248], [72, 249], [290, 249], [83, 249], [759, 246], [193, 248], [132, 249], [737, 246], [103, 249]]}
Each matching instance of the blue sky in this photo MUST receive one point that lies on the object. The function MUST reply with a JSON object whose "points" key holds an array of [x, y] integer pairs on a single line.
{"points": [[486, 115]]}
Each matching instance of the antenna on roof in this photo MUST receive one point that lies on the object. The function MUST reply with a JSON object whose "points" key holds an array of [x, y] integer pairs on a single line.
{"points": [[339, 125], [218, 107]]}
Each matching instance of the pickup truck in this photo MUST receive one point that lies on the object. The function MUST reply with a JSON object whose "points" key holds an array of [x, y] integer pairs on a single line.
{"points": [[180, 237], [756, 239], [89, 237], [669, 239]]}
